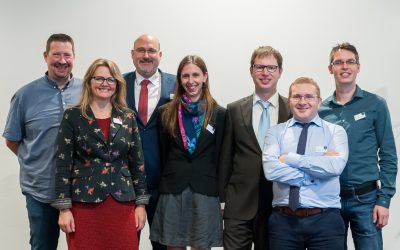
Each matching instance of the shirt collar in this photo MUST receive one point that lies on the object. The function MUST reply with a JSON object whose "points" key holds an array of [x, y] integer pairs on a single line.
{"points": [[358, 94], [54, 83], [316, 120], [154, 79], [273, 100]]}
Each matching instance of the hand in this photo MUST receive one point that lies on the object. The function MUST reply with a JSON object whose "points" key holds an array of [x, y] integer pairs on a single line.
{"points": [[380, 216], [331, 152], [66, 221], [140, 217], [282, 158]]}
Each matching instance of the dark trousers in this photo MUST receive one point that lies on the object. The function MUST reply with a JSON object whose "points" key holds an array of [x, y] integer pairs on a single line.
{"points": [[321, 231], [43, 224], [150, 210], [241, 234]]}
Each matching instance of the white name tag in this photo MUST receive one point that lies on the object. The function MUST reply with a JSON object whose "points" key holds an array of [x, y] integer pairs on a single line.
{"points": [[210, 129], [117, 121], [171, 96], [359, 116], [321, 149]]}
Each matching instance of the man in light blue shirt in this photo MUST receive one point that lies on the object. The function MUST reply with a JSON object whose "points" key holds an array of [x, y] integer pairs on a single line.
{"points": [[313, 220], [31, 129]]}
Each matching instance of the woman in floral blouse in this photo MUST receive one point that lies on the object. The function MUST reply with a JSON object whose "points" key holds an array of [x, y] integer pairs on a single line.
{"points": [[100, 179]]}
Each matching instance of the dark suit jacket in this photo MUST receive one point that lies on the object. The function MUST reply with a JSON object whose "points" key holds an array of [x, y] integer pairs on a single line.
{"points": [[242, 184], [89, 168], [199, 170], [149, 133]]}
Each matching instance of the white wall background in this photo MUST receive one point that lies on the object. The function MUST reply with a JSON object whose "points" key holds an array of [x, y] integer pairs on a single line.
{"points": [[223, 32]]}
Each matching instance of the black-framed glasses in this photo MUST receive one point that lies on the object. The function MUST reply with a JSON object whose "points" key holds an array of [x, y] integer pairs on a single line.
{"points": [[100, 80], [261, 68], [307, 98], [341, 62], [143, 51]]}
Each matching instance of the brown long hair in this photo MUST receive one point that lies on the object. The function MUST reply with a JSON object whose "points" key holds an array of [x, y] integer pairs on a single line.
{"points": [[117, 99], [169, 117]]}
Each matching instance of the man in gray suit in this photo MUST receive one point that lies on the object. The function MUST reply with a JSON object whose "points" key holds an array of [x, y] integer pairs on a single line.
{"points": [[242, 185], [147, 89]]}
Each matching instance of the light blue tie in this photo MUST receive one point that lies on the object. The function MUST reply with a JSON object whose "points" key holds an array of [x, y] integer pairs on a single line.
{"points": [[264, 123]]}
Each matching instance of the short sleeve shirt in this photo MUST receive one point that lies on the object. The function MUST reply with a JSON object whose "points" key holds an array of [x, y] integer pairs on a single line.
{"points": [[35, 114]]}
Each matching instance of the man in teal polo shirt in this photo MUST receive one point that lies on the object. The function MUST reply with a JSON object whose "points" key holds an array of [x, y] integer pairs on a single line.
{"points": [[368, 181]]}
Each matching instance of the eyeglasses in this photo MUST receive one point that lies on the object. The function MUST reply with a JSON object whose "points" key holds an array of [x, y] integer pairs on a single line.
{"points": [[143, 51], [307, 98], [349, 62], [100, 80], [260, 68]]}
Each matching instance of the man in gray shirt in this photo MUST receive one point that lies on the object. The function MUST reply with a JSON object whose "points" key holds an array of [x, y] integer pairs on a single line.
{"points": [[31, 130]]}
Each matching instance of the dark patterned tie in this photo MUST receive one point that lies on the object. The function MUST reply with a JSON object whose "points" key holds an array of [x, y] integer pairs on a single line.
{"points": [[294, 192], [143, 101]]}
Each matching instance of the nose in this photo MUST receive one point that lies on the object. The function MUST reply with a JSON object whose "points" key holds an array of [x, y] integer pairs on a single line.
{"points": [[146, 54], [62, 59], [302, 100]]}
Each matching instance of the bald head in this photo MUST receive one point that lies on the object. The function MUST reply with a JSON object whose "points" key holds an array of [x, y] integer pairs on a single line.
{"points": [[146, 55], [147, 38]]}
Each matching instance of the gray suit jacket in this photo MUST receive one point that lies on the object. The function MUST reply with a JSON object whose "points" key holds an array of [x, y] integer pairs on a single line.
{"points": [[242, 184]]}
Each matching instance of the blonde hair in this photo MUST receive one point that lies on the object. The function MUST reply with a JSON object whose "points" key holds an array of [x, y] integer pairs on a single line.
{"points": [[305, 80], [118, 99]]}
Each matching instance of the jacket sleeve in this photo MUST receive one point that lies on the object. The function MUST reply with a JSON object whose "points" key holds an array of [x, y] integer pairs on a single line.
{"points": [[64, 162], [136, 166], [226, 156]]}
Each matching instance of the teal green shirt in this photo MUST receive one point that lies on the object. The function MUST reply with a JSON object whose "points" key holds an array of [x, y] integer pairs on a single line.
{"points": [[372, 149]]}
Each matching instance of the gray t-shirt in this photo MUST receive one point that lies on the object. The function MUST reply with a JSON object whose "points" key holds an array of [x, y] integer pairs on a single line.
{"points": [[35, 114]]}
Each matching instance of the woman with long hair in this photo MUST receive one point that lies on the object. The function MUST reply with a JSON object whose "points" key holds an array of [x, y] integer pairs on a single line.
{"points": [[188, 211], [100, 179]]}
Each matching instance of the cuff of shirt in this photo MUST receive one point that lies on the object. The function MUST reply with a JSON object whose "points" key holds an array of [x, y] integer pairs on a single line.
{"points": [[61, 204], [293, 159], [383, 202], [142, 199]]}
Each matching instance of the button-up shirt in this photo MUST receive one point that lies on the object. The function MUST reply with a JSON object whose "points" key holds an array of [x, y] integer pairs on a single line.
{"points": [[35, 114], [317, 175], [372, 147]]}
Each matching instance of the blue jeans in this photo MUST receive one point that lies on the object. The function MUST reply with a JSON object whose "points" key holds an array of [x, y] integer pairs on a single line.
{"points": [[357, 211], [43, 224], [316, 232]]}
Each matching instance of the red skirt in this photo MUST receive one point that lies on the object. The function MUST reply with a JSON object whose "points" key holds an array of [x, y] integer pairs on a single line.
{"points": [[106, 225]]}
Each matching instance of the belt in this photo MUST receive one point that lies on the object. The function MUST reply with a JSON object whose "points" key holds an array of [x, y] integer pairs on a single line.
{"points": [[301, 212], [358, 190]]}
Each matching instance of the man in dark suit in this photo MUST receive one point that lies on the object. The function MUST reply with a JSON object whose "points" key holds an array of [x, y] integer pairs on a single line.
{"points": [[242, 185], [147, 89]]}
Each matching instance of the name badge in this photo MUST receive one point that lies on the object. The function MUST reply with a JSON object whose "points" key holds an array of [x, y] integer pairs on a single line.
{"points": [[117, 120], [210, 128], [321, 149], [359, 116], [171, 96]]}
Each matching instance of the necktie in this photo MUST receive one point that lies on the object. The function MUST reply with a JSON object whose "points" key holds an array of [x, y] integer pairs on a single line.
{"points": [[264, 123], [294, 192], [143, 101]]}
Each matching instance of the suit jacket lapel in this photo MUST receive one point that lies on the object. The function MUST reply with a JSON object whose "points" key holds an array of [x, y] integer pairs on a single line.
{"points": [[164, 96], [246, 108], [284, 111], [93, 126], [117, 119]]}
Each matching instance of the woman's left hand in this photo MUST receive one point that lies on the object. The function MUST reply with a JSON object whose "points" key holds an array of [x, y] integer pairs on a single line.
{"points": [[140, 217]]}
